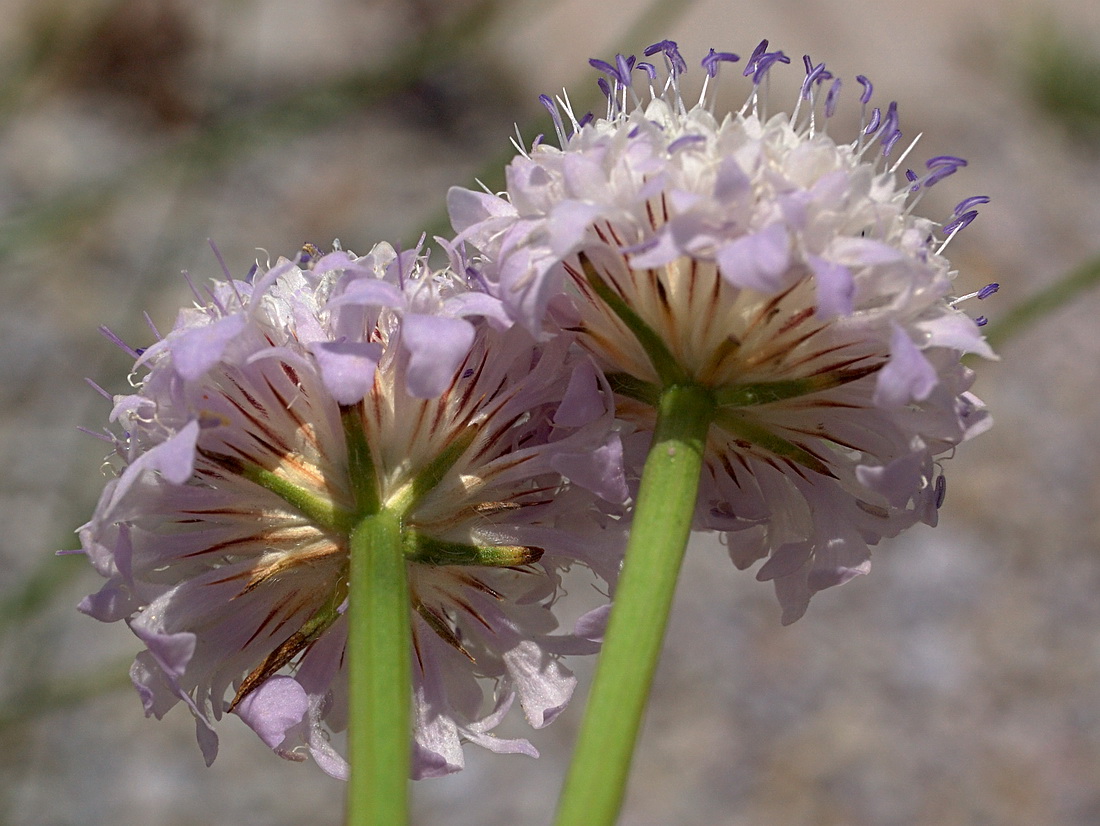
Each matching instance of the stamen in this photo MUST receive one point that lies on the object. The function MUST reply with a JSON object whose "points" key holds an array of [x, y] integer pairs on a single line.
{"points": [[905, 154], [981, 295], [831, 98], [941, 490], [152, 326], [868, 88], [961, 222], [750, 66], [686, 140], [711, 61], [677, 64], [967, 203], [112, 337], [889, 131], [876, 117], [555, 115], [100, 390], [940, 167]]}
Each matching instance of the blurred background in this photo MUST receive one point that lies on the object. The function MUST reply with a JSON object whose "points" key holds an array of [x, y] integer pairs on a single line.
{"points": [[959, 683]]}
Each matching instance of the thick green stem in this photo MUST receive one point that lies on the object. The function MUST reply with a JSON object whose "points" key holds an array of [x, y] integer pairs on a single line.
{"points": [[597, 777], [379, 675]]}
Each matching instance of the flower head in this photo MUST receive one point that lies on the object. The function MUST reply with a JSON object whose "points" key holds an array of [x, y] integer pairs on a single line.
{"points": [[271, 409], [783, 270]]}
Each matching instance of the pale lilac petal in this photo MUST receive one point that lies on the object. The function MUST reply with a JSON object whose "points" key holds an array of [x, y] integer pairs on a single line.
{"points": [[659, 250], [838, 563], [369, 292], [784, 561], [835, 287], [957, 331], [347, 367], [908, 375], [275, 706], [582, 402], [758, 261], [467, 208], [593, 624], [197, 350], [599, 470], [897, 481], [436, 347], [466, 305], [570, 221], [862, 252], [175, 458], [171, 651], [544, 685]]}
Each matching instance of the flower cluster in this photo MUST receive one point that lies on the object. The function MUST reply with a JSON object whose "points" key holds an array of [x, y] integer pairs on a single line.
{"points": [[502, 407], [224, 538], [760, 258]]}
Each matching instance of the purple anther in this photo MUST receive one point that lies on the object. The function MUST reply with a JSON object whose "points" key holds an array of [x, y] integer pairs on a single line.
{"points": [[750, 67], [911, 176], [942, 166], [988, 290], [765, 62], [605, 67], [814, 74], [555, 115], [686, 140], [831, 98], [941, 490], [876, 117], [960, 223], [890, 122], [633, 133], [981, 321], [889, 141], [112, 337], [475, 276], [625, 66], [865, 98], [967, 203], [605, 87], [587, 119], [671, 52], [100, 390], [648, 68], [940, 160], [711, 61]]}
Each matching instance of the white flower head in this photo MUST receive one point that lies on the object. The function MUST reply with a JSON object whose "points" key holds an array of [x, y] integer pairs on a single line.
{"points": [[761, 258], [225, 536]]}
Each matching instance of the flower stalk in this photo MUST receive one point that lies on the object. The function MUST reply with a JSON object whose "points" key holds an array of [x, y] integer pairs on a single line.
{"points": [[597, 778], [379, 677]]}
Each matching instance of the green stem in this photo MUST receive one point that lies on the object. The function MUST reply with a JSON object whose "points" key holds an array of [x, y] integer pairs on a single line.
{"points": [[379, 675], [1043, 303], [596, 782]]}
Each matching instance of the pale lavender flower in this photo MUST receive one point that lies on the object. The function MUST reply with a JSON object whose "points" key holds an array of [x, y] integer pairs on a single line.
{"points": [[224, 537], [783, 269]]}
